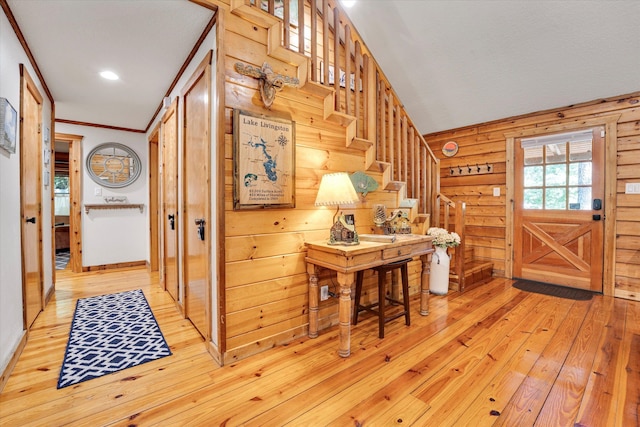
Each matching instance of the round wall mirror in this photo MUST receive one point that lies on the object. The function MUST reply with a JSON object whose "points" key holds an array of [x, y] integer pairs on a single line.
{"points": [[113, 165]]}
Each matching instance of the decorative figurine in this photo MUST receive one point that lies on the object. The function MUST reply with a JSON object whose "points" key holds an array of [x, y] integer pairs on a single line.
{"points": [[343, 231]]}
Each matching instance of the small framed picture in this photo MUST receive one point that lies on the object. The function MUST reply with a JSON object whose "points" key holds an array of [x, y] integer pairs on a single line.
{"points": [[350, 219], [450, 149], [8, 126]]}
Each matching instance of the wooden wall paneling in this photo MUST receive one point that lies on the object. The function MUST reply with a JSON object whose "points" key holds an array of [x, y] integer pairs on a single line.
{"points": [[267, 313], [510, 237], [261, 269], [252, 295], [264, 249], [621, 115], [248, 29], [628, 143], [241, 248], [611, 202], [628, 172], [257, 341]]}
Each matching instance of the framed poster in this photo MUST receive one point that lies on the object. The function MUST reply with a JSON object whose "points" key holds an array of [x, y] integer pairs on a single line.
{"points": [[8, 126], [263, 161]]}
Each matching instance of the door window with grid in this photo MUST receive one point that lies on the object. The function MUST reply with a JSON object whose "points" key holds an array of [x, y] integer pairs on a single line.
{"points": [[557, 172]]}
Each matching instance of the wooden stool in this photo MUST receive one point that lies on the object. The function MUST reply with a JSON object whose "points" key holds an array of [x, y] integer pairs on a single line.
{"points": [[382, 274]]}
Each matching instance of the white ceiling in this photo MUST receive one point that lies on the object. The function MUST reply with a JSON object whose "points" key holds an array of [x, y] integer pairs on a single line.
{"points": [[464, 62], [452, 63], [144, 41]]}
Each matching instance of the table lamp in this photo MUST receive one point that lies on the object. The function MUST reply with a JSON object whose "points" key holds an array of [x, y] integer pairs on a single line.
{"points": [[336, 189]]}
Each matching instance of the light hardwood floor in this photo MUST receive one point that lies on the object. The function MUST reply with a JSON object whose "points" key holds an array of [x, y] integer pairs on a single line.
{"points": [[491, 356]]}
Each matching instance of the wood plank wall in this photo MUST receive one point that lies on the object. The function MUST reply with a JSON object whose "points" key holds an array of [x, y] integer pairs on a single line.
{"points": [[266, 282], [486, 214]]}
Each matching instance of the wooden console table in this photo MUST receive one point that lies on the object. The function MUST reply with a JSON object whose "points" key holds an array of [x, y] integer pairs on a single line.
{"points": [[347, 260]]}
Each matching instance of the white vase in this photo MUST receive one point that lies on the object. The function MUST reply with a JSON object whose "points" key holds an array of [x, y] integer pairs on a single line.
{"points": [[439, 280]]}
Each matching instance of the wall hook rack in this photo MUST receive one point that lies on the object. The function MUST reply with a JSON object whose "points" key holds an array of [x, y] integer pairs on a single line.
{"points": [[469, 169], [89, 207]]}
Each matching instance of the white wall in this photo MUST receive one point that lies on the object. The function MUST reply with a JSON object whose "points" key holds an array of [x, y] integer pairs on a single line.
{"points": [[120, 235], [11, 305]]}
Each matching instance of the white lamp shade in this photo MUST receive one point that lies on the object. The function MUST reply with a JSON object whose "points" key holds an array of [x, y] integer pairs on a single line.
{"points": [[336, 189]]}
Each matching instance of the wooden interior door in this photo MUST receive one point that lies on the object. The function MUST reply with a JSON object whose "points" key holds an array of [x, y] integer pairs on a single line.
{"points": [[31, 197], [559, 209], [196, 197], [154, 195], [75, 198], [170, 200]]}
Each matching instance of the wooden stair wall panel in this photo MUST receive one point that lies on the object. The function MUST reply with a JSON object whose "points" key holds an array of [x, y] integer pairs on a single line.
{"points": [[487, 225], [265, 281], [334, 42]]}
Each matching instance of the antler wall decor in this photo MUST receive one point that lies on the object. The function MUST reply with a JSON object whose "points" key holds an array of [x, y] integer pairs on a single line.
{"points": [[269, 82]]}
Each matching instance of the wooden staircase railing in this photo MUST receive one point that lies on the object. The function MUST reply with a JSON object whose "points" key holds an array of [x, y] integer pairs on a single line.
{"points": [[450, 216], [340, 60]]}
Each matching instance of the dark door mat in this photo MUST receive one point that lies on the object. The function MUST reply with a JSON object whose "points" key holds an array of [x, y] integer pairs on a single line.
{"points": [[553, 290]]}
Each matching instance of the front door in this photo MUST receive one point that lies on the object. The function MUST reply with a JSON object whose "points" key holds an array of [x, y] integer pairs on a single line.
{"points": [[170, 199], [30, 172], [559, 209], [196, 197]]}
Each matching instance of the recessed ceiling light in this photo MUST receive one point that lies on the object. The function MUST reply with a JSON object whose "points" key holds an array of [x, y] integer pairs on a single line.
{"points": [[109, 75], [348, 3]]}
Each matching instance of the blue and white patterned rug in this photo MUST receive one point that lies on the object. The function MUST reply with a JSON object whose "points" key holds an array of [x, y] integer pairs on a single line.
{"points": [[62, 259], [110, 333]]}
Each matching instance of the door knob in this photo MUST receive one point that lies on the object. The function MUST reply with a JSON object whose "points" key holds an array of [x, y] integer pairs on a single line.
{"points": [[32, 220], [200, 223], [172, 221]]}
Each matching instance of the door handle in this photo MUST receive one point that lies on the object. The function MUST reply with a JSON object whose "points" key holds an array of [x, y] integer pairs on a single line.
{"points": [[172, 221], [32, 220], [597, 217], [200, 223]]}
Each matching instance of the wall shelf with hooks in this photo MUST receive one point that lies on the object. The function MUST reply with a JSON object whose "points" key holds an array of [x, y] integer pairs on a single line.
{"points": [[474, 169], [140, 206]]}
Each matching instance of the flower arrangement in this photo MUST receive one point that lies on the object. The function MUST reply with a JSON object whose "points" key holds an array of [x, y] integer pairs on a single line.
{"points": [[442, 238]]}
